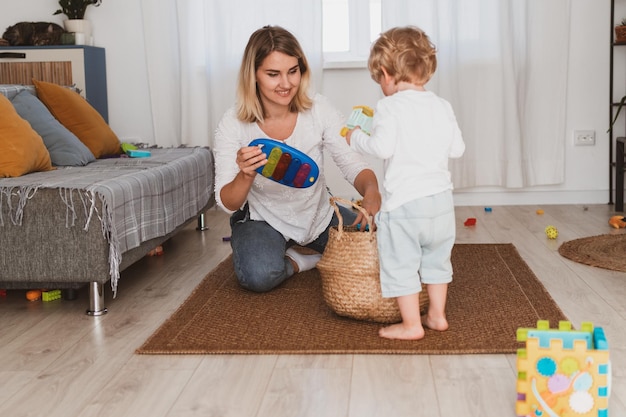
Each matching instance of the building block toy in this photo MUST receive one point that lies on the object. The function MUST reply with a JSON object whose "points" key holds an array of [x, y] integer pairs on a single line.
{"points": [[50, 295], [286, 165], [563, 372], [361, 116]]}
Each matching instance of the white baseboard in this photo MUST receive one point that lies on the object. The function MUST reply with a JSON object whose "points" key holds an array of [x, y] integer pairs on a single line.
{"points": [[518, 198]]}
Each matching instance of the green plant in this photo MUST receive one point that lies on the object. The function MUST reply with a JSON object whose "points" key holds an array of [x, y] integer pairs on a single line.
{"points": [[75, 9]]}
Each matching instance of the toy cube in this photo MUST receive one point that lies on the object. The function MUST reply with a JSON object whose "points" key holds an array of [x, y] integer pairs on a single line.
{"points": [[563, 372]]}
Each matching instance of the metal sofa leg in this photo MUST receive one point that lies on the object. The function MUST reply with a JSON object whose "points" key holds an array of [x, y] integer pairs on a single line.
{"points": [[201, 226], [96, 299]]}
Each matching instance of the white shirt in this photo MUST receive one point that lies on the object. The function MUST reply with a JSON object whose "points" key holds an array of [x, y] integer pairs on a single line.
{"points": [[301, 214], [415, 133]]}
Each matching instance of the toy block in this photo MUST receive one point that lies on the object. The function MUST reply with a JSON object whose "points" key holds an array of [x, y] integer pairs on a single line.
{"points": [[563, 372], [50, 295]]}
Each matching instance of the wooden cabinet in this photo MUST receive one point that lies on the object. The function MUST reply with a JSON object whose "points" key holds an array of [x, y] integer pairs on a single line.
{"points": [[78, 65]]}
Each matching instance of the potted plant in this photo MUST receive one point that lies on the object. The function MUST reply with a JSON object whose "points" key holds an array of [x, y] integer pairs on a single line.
{"points": [[620, 32], [75, 9], [76, 23]]}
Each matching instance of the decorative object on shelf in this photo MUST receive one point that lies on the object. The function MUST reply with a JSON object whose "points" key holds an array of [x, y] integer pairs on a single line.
{"points": [[76, 22], [620, 32]]}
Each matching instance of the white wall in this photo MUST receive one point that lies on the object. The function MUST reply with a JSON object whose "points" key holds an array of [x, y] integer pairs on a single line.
{"points": [[117, 27]]}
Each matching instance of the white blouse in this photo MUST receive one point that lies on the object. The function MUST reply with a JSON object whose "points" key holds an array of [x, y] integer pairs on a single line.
{"points": [[301, 214]]}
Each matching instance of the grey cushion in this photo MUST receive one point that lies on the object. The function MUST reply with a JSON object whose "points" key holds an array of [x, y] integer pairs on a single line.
{"points": [[64, 147]]}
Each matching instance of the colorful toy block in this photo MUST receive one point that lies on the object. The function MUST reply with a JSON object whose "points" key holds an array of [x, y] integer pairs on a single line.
{"points": [[563, 372], [50, 295]]}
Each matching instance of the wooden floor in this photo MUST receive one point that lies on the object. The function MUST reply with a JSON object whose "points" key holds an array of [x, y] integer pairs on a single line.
{"points": [[58, 362]]}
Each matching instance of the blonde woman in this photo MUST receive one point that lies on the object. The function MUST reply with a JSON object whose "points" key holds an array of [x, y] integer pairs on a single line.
{"points": [[269, 218]]}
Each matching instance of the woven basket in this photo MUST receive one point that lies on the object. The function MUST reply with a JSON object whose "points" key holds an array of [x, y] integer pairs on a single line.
{"points": [[350, 274]]}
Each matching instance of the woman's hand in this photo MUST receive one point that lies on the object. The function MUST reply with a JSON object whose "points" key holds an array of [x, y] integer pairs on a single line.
{"points": [[249, 158], [235, 193]]}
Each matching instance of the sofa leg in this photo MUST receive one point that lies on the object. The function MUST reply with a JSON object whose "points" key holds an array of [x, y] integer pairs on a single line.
{"points": [[96, 299], [201, 226]]}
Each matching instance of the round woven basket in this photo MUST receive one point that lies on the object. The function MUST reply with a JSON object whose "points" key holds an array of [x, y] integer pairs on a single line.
{"points": [[350, 274]]}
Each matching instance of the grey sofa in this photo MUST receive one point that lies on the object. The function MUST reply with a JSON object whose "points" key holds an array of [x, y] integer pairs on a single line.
{"points": [[79, 226]]}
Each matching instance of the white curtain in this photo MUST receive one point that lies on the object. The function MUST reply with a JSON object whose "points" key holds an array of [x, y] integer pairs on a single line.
{"points": [[193, 52], [503, 66]]}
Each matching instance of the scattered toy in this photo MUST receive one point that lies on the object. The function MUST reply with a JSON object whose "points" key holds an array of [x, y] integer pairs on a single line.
{"points": [[33, 295], [488, 209], [551, 232], [50, 295], [158, 251], [617, 222], [470, 222], [539, 212]]}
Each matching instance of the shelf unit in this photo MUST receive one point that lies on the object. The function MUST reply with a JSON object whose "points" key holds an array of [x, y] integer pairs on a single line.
{"points": [[78, 65], [617, 133]]}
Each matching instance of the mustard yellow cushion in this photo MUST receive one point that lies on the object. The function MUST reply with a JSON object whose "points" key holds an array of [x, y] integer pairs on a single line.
{"points": [[79, 117], [21, 148]]}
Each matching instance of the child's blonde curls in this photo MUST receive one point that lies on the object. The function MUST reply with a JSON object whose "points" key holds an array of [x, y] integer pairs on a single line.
{"points": [[406, 53]]}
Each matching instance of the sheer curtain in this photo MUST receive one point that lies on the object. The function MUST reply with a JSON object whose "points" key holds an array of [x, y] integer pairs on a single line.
{"points": [[503, 66], [193, 70]]}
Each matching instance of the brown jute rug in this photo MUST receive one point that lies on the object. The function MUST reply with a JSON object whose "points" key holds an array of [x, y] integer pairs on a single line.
{"points": [[494, 292], [603, 251]]}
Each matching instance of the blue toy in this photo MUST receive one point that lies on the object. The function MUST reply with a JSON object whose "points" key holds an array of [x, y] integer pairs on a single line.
{"points": [[286, 165]]}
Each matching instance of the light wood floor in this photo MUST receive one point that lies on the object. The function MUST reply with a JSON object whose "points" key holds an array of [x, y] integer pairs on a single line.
{"points": [[58, 362]]}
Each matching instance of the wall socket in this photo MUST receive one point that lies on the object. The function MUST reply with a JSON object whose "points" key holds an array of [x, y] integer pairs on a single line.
{"points": [[584, 137]]}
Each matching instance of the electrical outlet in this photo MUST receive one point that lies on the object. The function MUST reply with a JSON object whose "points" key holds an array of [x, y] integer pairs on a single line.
{"points": [[584, 137]]}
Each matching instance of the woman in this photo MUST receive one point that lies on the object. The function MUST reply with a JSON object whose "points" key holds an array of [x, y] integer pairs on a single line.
{"points": [[269, 218]]}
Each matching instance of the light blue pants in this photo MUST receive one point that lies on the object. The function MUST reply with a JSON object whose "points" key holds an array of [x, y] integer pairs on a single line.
{"points": [[415, 244]]}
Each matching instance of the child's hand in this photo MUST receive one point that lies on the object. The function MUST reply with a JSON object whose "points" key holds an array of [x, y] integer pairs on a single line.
{"points": [[349, 134]]}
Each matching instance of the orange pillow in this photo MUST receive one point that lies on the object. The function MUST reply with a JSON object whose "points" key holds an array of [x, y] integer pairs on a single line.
{"points": [[21, 148], [79, 117]]}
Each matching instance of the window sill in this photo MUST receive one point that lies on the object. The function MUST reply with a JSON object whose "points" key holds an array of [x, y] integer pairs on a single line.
{"points": [[358, 64]]}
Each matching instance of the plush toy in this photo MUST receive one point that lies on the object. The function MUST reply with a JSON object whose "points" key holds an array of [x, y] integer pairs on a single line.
{"points": [[617, 222]]}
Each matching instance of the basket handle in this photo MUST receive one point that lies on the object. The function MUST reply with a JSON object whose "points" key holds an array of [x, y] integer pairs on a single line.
{"points": [[333, 202]]}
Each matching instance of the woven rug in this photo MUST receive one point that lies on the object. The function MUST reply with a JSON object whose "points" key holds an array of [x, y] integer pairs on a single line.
{"points": [[603, 251], [494, 292]]}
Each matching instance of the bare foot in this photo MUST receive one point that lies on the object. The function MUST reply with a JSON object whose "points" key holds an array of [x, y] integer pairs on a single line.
{"points": [[402, 331], [436, 323]]}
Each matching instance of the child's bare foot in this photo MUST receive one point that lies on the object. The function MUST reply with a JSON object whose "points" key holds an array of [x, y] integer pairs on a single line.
{"points": [[402, 331], [435, 323]]}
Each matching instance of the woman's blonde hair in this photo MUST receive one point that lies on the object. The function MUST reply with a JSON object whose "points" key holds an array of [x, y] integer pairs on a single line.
{"points": [[406, 53], [261, 43]]}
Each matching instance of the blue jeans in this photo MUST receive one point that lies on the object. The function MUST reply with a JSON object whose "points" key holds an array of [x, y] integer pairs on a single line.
{"points": [[259, 250]]}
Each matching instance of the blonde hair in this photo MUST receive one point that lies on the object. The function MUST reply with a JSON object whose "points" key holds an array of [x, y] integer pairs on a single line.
{"points": [[406, 53], [261, 43]]}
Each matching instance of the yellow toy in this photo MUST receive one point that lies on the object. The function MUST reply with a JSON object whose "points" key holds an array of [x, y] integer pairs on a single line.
{"points": [[361, 116], [617, 222], [562, 372], [551, 232]]}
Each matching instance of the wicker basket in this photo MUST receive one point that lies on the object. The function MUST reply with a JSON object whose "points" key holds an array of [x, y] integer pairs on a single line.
{"points": [[350, 274]]}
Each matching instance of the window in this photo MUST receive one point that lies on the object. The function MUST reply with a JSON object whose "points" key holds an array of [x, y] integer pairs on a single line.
{"points": [[349, 28]]}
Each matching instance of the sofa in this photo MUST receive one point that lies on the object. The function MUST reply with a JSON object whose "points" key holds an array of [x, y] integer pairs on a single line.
{"points": [[75, 209]]}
